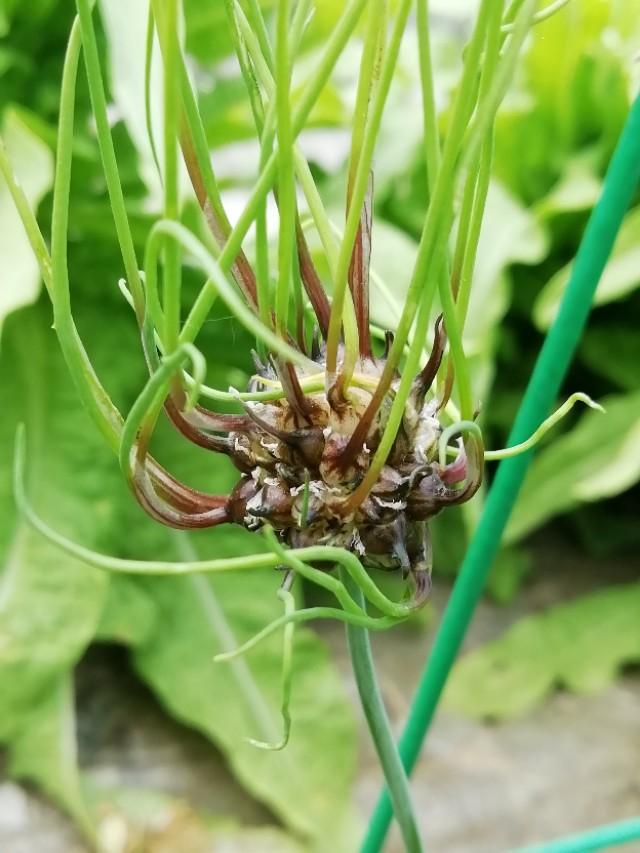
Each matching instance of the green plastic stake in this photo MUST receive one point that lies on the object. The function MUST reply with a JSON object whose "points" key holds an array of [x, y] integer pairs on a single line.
{"points": [[620, 183], [600, 838]]}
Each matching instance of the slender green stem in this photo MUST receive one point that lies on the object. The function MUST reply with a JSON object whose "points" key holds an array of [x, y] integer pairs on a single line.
{"points": [[286, 183], [148, 64], [172, 268], [427, 88], [236, 17], [29, 222], [432, 249], [453, 322], [367, 79], [540, 16], [259, 27], [287, 675], [478, 198], [432, 246], [362, 620], [198, 136], [234, 10], [310, 94], [432, 151], [303, 172], [93, 395], [107, 152], [376, 716], [476, 185], [217, 282], [144, 412], [359, 190], [354, 568]]}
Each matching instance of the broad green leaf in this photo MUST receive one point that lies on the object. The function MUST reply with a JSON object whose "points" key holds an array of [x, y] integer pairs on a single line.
{"points": [[304, 784], [613, 351], [44, 750], [620, 277], [49, 603], [32, 163], [596, 459], [129, 612], [580, 646]]}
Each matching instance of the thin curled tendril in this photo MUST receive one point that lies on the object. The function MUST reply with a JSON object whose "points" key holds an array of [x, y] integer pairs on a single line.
{"points": [[460, 427], [287, 674]]}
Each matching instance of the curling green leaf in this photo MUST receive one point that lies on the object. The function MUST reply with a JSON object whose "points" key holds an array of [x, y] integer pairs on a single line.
{"points": [[32, 163], [580, 646], [598, 458]]}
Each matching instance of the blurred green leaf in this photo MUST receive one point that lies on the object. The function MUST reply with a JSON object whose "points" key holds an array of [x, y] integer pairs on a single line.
{"points": [[573, 92], [32, 163], [129, 612], [597, 458], [613, 351], [621, 275], [44, 751], [580, 646], [201, 616], [50, 604], [577, 189]]}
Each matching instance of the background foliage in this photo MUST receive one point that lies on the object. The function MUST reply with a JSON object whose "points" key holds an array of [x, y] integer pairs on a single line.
{"points": [[554, 137]]}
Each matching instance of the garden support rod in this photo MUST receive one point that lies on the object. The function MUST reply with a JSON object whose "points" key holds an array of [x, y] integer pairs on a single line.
{"points": [[621, 181], [600, 838]]}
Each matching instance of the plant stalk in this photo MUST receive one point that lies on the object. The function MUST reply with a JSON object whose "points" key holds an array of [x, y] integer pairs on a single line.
{"points": [[378, 722]]}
